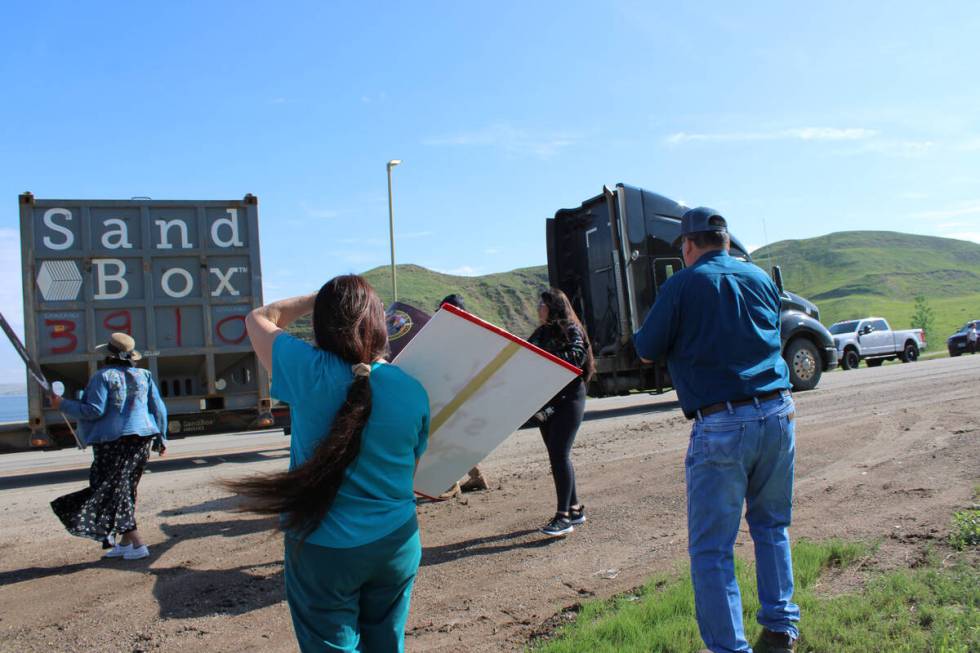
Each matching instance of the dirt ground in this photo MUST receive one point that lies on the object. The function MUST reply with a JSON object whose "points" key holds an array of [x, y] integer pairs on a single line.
{"points": [[885, 454]]}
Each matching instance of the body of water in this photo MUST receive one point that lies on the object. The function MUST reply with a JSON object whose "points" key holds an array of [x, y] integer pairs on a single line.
{"points": [[13, 408]]}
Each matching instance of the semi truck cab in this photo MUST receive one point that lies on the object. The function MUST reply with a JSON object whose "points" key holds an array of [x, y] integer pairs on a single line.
{"points": [[611, 255]]}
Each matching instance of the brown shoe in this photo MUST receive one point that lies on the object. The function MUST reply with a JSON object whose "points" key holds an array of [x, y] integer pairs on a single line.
{"points": [[451, 492], [475, 482], [778, 642]]}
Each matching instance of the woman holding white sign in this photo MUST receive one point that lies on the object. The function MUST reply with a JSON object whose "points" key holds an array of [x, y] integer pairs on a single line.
{"points": [[347, 504], [562, 334]]}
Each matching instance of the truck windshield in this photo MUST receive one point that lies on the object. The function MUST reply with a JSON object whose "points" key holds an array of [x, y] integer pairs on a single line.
{"points": [[844, 327]]}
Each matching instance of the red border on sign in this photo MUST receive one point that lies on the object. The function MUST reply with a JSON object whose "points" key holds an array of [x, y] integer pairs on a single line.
{"points": [[510, 336]]}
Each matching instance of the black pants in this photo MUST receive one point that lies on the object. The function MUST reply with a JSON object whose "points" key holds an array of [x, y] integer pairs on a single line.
{"points": [[559, 435]]}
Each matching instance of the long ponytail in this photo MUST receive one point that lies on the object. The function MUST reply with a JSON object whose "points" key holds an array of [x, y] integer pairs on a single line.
{"points": [[348, 320]]}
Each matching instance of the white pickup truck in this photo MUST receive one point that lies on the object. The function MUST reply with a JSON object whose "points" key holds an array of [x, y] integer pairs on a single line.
{"points": [[872, 340]]}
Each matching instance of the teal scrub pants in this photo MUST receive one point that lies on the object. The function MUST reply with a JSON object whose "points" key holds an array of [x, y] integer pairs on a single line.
{"points": [[353, 599]]}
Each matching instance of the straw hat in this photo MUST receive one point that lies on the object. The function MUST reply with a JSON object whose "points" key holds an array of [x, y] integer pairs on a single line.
{"points": [[122, 346]]}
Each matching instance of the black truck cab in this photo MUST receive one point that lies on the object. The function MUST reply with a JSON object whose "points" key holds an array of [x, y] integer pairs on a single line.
{"points": [[611, 254]]}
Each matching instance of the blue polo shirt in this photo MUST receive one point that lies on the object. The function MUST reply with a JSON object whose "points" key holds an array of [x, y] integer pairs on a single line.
{"points": [[377, 495], [717, 325]]}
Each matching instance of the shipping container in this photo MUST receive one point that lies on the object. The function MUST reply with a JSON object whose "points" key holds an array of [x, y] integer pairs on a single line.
{"points": [[178, 275]]}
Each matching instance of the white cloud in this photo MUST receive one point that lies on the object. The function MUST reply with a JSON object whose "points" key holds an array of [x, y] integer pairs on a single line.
{"points": [[954, 221], [913, 195], [963, 209], [752, 248], [965, 235], [969, 145], [899, 148], [461, 271], [491, 251], [512, 140], [278, 100], [956, 224], [797, 133]]}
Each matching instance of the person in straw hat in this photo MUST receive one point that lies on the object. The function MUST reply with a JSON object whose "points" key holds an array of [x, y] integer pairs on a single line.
{"points": [[120, 414]]}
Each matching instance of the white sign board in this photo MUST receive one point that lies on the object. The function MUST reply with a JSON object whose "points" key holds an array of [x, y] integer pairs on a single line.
{"points": [[483, 384]]}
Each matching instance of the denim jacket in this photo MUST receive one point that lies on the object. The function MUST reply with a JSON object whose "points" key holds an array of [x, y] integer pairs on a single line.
{"points": [[118, 401]]}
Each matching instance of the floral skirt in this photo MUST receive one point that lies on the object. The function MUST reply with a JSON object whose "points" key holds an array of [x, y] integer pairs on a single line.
{"points": [[108, 504]]}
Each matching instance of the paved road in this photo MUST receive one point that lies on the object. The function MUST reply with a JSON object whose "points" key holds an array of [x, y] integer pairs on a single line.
{"points": [[39, 467], [31, 468]]}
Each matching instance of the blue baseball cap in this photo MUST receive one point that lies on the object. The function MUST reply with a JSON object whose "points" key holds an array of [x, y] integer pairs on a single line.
{"points": [[700, 219]]}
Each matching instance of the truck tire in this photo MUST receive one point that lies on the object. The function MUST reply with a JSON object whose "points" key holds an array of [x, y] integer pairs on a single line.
{"points": [[911, 352], [805, 365], [850, 360], [876, 362]]}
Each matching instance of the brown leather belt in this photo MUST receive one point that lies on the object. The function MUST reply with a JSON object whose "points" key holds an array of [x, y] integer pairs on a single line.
{"points": [[723, 405]]}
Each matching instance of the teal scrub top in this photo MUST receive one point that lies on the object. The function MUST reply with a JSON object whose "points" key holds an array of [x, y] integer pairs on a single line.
{"points": [[376, 496]]}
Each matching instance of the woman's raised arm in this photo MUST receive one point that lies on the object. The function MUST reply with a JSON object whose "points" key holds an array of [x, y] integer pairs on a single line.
{"points": [[266, 322]]}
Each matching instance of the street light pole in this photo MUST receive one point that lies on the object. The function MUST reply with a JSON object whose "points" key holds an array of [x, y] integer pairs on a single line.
{"points": [[391, 231]]}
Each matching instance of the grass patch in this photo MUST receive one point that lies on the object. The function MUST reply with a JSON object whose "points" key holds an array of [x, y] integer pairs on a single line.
{"points": [[932, 608], [966, 526]]}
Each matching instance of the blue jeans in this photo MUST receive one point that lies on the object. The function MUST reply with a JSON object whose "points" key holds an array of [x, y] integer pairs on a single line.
{"points": [[741, 455]]}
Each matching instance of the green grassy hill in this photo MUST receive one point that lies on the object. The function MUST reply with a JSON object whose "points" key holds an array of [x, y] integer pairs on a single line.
{"points": [[853, 274], [508, 299], [847, 274]]}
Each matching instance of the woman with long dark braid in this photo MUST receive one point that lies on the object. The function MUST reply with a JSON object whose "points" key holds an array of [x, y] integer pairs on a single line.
{"points": [[562, 334], [359, 427]]}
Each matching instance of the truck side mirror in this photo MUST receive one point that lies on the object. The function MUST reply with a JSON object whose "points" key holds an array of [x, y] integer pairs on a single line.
{"points": [[777, 277]]}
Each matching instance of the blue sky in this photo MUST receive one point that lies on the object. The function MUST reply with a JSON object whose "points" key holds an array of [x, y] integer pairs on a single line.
{"points": [[813, 119]]}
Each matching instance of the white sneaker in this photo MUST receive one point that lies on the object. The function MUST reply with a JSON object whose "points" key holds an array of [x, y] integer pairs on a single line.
{"points": [[137, 553], [118, 551]]}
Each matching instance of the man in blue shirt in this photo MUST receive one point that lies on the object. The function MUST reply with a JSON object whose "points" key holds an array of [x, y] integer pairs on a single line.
{"points": [[716, 323]]}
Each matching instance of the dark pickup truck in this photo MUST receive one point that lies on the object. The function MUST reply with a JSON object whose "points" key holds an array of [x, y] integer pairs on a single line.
{"points": [[610, 256]]}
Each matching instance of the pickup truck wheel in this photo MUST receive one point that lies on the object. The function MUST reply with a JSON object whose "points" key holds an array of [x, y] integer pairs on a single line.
{"points": [[850, 360], [804, 364], [876, 362], [910, 354]]}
